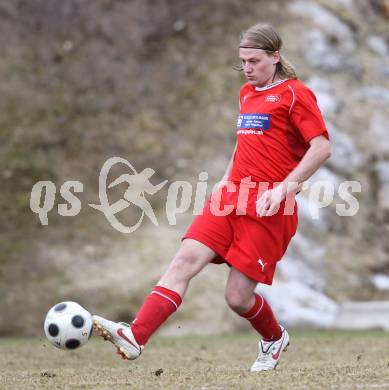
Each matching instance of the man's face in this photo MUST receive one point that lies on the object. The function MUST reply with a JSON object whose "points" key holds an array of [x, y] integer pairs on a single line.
{"points": [[258, 66]]}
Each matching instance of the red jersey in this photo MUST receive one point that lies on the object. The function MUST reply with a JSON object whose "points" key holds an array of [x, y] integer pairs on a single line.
{"points": [[274, 128]]}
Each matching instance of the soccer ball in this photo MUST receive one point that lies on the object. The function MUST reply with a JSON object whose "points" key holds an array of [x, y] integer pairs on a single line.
{"points": [[68, 325]]}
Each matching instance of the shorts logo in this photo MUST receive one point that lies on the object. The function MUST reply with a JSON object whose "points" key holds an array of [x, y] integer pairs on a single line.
{"points": [[254, 121], [273, 98], [262, 264]]}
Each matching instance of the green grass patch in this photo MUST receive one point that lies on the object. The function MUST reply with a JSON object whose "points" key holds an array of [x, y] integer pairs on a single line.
{"points": [[315, 360]]}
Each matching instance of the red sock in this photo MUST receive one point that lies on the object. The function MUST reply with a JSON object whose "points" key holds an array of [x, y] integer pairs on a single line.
{"points": [[157, 307], [262, 319]]}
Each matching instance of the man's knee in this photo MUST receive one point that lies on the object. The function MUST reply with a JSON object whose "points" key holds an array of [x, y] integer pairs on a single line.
{"points": [[237, 301]]}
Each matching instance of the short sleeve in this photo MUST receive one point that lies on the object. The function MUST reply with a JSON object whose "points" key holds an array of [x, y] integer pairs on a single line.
{"points": [[305, 115]]}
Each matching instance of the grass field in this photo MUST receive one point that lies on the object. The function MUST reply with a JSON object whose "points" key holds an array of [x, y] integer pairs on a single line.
{"points": [[315, 360]]}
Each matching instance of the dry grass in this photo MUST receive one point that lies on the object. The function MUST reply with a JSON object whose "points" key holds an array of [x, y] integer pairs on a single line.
{"points": [[315, 360]]}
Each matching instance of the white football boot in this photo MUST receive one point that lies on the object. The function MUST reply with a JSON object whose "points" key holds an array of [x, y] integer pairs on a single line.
{"points": [[119, 334], [270, 352]]}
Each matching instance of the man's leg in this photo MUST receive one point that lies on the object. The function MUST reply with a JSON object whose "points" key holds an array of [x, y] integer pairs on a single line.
{"points": [[241, 298], [166, 297], [164, 300]]}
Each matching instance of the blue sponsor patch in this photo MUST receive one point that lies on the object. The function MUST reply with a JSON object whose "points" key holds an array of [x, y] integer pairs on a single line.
{"points": [[254, 121]]}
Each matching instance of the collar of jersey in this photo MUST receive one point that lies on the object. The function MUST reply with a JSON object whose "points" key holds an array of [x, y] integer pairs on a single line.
{"points": [[269, 85]]}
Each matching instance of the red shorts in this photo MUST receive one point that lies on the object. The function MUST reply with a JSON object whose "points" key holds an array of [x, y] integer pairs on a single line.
{"points": [[251, 244]]}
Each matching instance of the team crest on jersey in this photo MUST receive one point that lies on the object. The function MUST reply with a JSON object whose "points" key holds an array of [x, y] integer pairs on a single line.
{"points": [[273, 98]]}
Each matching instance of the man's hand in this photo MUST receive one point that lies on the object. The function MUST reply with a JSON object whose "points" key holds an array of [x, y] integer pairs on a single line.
{"points": [[269, 202], [318, 152]]}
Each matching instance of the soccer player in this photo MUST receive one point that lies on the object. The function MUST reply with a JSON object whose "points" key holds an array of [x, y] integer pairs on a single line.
{"points": [[281, 141]]}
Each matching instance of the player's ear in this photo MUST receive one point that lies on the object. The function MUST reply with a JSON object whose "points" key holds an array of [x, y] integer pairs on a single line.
{"points": [[276, 57]]}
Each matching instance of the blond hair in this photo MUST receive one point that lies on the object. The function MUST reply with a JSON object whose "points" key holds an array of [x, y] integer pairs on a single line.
{"points": [[265, 37]]}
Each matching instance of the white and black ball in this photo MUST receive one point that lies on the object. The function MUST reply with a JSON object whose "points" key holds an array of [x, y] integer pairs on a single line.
{"points": [[68, 325]]}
